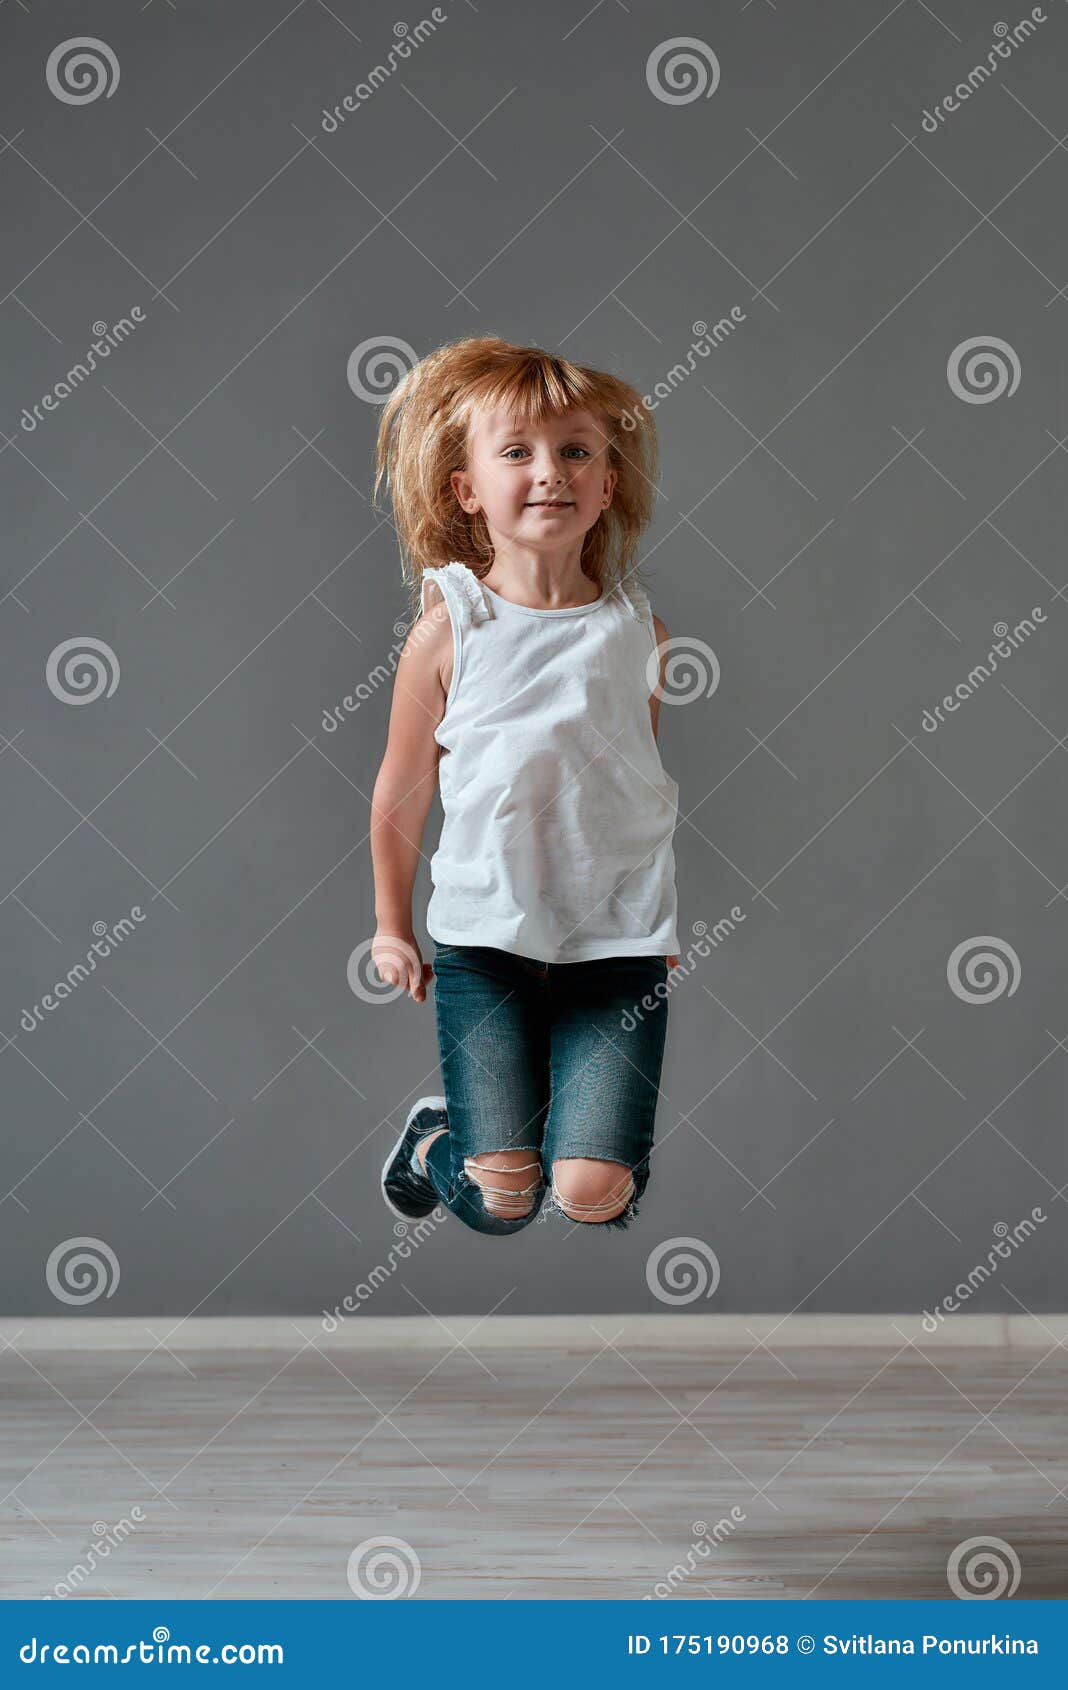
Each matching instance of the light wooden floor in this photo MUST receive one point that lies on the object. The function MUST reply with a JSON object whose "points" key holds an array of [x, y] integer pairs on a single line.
{"points": [[533, 1471]]}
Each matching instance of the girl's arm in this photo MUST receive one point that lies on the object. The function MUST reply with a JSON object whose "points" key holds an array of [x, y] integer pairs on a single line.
{"points": [[654, 702], [654, 697], [403, 793]]}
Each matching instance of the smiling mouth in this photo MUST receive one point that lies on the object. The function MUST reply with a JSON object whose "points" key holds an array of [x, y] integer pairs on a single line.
{"points": [[550, 504]]}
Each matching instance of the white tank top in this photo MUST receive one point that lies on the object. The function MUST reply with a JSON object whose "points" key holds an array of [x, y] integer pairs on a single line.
{"points": [[559, 817]]}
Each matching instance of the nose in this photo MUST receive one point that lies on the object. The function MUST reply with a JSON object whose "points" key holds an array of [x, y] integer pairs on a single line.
{"points": [[548, 471]]}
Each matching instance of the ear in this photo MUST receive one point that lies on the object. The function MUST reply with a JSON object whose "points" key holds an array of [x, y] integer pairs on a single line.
{"points": [[464, 490], [611, 477]]}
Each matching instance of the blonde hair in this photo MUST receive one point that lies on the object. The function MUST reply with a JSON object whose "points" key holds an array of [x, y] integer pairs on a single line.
{"points": [[423, 437]]}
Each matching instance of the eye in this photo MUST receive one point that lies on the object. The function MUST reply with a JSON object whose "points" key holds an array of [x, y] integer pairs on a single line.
{"points": [[581, 449], [512, 449]]}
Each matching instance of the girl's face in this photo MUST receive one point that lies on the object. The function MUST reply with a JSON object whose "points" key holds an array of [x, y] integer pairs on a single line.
{"points": [[544, 482]]}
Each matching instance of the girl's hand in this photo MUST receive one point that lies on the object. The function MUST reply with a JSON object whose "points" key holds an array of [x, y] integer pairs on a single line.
{"points": [[398, 962], [673, 962]]}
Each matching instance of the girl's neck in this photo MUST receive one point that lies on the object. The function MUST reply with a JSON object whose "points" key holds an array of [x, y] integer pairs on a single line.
{"points": [[541, 583]]}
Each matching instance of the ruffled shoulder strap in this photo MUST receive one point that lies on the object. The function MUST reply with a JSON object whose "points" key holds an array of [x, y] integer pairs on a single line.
{"points": [[636, 600], [460, 589]]}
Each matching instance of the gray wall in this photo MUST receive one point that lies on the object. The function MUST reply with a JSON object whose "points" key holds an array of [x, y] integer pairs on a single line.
{"points": [[841, 525]]}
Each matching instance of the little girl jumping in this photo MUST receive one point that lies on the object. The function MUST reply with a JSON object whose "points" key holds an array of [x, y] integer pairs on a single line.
{"points": [[527, 691]]}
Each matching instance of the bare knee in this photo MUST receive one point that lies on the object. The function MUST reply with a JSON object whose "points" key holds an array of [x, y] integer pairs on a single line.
{"points": [[509, 1180], [592, 1190]]}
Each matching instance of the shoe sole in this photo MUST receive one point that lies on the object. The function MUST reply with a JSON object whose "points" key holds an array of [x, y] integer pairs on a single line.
{"points": [[423, 1103]]}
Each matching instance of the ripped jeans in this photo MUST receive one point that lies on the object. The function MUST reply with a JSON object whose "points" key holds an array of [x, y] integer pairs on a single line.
{"points": [[554, 1060]]}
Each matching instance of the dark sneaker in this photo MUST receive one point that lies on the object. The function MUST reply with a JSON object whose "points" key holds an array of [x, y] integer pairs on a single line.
{"points": [[408, 1193]]}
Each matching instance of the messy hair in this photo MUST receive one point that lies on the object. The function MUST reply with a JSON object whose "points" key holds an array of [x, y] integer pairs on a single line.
{"points": [[423, 437]]}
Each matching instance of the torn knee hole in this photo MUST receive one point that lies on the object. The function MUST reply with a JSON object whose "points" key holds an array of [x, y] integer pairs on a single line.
{"points": [[602, 1208], [508, 1191]]}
